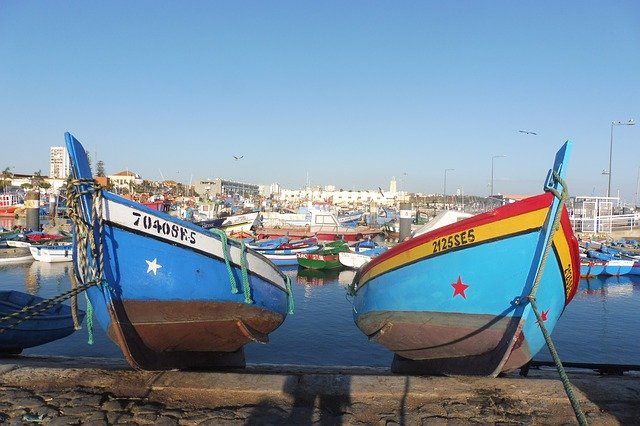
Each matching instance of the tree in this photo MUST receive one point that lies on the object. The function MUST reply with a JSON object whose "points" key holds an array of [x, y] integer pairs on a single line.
{"points": [[6, 177], [89, 161], [37, 180], [100, 168]]}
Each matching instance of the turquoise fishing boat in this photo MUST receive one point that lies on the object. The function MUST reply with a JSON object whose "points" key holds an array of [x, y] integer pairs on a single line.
{"points": [[470, 297]]}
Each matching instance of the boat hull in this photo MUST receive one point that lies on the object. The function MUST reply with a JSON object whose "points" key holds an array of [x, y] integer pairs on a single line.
{"points": [[319, 261], [186, 309], [52, 254], [15, 254], [54, 323], [591, 268]]}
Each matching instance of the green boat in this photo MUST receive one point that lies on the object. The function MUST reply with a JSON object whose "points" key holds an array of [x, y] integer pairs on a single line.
{"points": [[326, 258], [8, 235]]}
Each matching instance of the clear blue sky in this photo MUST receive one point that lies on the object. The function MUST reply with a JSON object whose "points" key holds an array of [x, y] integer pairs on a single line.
{"points": [[342, 93]]}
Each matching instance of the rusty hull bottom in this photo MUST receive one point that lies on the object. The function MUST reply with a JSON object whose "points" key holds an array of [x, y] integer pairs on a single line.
{"points": [[447, 343], [161, 335]]}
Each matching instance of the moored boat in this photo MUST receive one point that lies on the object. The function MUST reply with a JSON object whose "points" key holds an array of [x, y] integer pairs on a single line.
{"points": [[169, 293], [614, 265], [286, 254], [18, 332], [52, 252], [591, 267], [15, 254], [462, 299], [328, 257], [356, 260]]}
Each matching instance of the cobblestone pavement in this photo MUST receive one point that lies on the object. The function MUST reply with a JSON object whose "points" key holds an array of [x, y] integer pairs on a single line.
{"points": [[50, 391]]}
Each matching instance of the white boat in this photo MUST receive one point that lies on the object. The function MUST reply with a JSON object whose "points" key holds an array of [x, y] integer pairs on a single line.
{"points": [[53, 252], [313, 220], [18, 243], [355, 260], [14, 255], [443, 218], [240, 223]]}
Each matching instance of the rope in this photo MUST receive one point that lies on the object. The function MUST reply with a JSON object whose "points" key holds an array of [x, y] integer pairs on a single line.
{"points": [[90, 268], [89, 320], [245, 276], [290, 303], [575, 404], [84, 234], [226, 254], [32, 311]]}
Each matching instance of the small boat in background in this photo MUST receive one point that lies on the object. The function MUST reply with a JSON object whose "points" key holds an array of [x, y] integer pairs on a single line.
{"points": [[591, 267], [269, 244], [283, 252], [37, 237], [52, 324], [15, 254], [355, 260], [328, 257], [614, 264], [240, 223], [10, 203], [52, 252], [7, 235]]}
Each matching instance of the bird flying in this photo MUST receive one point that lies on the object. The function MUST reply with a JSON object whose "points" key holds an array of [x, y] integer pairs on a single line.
{"points": [[527, 133], [238, 157]]}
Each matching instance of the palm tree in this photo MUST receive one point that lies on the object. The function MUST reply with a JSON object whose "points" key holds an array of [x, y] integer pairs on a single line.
{"points": [[37, 180], [6, 176]]}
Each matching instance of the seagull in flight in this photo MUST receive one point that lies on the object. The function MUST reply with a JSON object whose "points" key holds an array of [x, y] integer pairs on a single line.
{"points": [[237, 158], [527, 133]]}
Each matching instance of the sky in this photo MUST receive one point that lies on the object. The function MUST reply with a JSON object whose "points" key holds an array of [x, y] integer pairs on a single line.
{"points": [[343, 93]]}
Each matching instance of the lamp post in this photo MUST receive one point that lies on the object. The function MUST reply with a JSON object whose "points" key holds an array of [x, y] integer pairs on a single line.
{"points": [[615, 123], [444, 189], [493, 158]]}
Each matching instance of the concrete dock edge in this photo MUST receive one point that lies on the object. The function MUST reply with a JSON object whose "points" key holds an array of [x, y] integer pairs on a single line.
{"points": [[287, 394]]}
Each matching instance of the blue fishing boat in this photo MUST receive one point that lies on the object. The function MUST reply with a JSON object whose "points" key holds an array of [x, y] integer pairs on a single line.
{"points": [[17, 332], [268, 244], [169, 293], [470, 297], [286, 251], [591, 267], [615, 265]]}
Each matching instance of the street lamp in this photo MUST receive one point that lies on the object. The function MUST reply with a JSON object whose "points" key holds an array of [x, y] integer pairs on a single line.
{"points": [[615, 123], [493, 158], [444, 189]]}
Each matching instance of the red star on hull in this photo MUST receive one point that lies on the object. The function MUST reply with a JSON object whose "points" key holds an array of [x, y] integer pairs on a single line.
{"points": [[459, 288]]}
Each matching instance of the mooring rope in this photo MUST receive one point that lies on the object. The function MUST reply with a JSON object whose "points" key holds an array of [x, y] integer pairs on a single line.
{"points": [[90, 268], [563, 196], [83, 232], [32, 311]]}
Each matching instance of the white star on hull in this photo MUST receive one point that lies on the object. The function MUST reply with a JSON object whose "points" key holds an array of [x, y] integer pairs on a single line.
{"points": [[153, 266]]}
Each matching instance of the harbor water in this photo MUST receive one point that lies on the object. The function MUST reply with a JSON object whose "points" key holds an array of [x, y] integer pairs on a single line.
{"points": [[601, 325]]}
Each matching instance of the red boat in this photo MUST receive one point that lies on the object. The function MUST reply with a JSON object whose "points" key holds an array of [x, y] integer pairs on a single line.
{"points": [[40, 237]]}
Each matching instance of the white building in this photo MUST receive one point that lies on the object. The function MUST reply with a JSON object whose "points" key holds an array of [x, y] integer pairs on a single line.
{"points": [[59, 165], [125, 179]]}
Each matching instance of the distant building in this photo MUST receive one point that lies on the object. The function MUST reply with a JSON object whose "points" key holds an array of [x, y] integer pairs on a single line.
{"points": [[125, 179], [393, 186], [59, 165], [211, 188]]}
